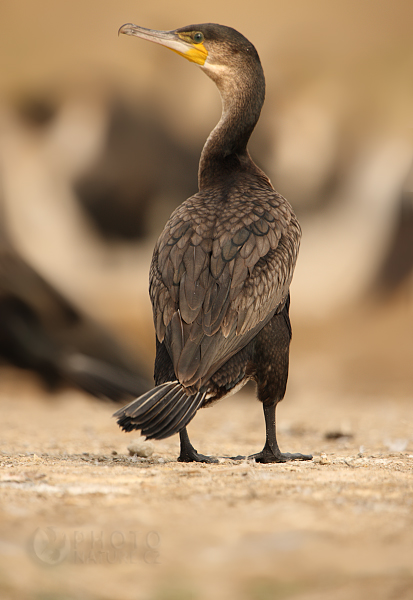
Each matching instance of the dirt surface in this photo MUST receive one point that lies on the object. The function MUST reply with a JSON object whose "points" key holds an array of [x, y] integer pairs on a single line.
{"points": [[82, 519]]}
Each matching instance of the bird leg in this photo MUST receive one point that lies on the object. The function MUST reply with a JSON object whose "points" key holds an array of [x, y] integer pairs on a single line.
{"points": [[271, 452], [188, 452]]}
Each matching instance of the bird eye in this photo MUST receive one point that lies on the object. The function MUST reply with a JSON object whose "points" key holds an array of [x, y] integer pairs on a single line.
{"points": [[198, 37]]}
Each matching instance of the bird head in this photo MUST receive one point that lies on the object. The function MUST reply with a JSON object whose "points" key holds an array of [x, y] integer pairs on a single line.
{"points": [[217, 49]]}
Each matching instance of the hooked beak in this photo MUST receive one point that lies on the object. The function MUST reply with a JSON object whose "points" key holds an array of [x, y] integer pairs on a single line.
{"points": [[196, 53]]}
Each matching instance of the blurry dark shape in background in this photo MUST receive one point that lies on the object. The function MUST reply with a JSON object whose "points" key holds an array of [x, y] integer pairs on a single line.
{"points": [[398, 264], [42, 331], [36, 110], [139, 165]]}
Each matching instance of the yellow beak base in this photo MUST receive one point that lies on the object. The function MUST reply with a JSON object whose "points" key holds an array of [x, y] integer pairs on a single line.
{"points": [[197, 54]]}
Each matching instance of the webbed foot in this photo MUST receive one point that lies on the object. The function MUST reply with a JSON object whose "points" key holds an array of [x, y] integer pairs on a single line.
{"points": [[194, 456], [188, 452], [267, 456]]}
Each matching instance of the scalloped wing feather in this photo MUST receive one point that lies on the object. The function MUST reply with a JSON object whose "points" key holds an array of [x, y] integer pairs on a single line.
{"points": [[221, 268]]}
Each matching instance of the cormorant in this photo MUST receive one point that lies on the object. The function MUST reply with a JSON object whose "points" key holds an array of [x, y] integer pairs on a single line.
{"points": [[42, 331], [222, 267]]}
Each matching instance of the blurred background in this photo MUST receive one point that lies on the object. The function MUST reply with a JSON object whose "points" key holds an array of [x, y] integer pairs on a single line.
{"points": [[100, 138]]}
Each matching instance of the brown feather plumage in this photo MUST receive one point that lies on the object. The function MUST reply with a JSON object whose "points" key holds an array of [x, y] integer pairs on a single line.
{"points": [[228, 287]]}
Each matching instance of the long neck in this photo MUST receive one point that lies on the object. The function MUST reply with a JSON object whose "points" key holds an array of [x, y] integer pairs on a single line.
{"points": [[225, 150]]}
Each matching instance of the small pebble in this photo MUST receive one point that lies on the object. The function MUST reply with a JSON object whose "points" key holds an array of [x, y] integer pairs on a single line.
{"points": [[323, 459], [143, 449]]}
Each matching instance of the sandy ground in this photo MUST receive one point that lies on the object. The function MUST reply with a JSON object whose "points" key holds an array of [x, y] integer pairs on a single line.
{"points": [[81, 519]]}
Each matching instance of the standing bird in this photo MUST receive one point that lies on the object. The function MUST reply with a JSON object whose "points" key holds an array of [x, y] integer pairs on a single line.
{"points": [[222, 267]]}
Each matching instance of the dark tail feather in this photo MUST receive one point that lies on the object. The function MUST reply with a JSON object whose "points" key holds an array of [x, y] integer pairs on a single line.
{"points": [[183, 417], [169, 416], [161, 412]]}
